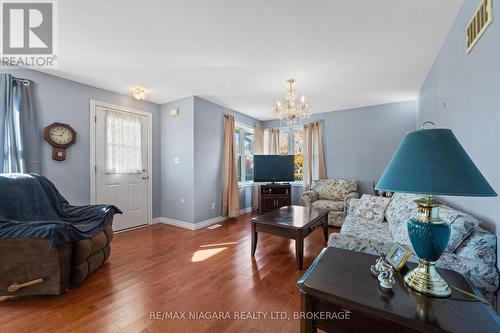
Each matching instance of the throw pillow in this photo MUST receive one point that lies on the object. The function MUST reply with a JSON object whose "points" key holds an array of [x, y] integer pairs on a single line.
{"points": [[401, 208], [372, 207], [461, 224]]}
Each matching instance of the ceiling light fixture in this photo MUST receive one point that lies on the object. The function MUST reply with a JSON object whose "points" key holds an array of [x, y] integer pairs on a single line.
{"points": [[140, 93], [290, 112]]}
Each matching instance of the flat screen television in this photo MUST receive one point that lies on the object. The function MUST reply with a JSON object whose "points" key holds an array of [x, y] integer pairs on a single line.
{"points": [[273, 168]]}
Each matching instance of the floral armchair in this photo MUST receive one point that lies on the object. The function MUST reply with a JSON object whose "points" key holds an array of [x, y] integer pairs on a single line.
{"points": [[332, 194]]}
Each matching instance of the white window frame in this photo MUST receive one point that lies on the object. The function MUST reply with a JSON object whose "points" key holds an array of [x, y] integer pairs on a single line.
{"points": [[242, 128], [291, 148]]}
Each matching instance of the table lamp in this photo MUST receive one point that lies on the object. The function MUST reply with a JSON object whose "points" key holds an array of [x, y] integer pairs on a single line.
{"points": [[431, 162]]}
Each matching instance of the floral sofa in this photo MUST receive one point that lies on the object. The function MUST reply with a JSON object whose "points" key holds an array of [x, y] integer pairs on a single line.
{"points": [[474, 256], [332, 194]]}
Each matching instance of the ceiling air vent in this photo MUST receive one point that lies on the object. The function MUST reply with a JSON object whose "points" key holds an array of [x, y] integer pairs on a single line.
{"points": [[478, 24]]}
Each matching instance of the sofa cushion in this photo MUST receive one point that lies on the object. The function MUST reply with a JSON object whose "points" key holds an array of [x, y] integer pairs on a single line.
{"points": [[335, 189], [329, 204], [352, 204], [481, 245], [372, 207], [363, 228], [352, 243]]}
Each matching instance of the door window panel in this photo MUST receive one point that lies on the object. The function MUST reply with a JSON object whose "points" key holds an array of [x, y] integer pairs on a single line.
{"points": [[123, 143]]}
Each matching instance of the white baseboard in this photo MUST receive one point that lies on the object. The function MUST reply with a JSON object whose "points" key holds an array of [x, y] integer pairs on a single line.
{"points": [[175, 223], [245, 210], [209, 222], [196, 226], [189, 225]]}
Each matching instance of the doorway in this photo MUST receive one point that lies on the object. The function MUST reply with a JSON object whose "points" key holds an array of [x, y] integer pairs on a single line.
{"points": [[120, 162]]}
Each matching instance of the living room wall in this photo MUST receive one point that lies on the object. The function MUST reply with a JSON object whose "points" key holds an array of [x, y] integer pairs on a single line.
{"points": [[177, 160], [461, 92], [67, 101], [208, 152], [195, 138], [360, 142]]}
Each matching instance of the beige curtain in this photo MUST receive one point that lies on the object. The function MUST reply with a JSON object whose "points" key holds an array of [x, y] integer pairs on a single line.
{"points": [[314, 157], [273, 141], [258, 149], [258, 140], [230, 195]]}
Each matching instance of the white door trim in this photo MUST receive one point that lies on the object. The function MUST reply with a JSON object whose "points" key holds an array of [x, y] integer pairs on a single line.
{"points": [[93, 105]]}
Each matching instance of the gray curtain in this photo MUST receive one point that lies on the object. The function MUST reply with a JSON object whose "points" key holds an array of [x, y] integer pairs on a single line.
{"points": [[19, 137]]}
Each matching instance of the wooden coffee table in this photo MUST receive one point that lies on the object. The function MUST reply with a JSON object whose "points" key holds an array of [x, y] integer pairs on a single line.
{"points": [[293, 222]]}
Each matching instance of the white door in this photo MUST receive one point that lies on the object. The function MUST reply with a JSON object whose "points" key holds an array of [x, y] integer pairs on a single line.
{"points": [[121, 159]]}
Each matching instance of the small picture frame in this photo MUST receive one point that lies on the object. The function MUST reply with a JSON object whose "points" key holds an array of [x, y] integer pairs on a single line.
{"points": [[397, 256]]}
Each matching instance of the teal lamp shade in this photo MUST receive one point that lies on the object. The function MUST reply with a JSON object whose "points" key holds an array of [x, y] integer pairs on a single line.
{"points": [[432, 161]]}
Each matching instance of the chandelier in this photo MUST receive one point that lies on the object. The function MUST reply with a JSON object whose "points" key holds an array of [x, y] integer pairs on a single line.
{"points": [[289, 111], [140, 93]]}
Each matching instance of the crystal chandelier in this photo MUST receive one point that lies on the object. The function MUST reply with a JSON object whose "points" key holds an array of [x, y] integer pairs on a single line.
{"points": [[290, 112]]}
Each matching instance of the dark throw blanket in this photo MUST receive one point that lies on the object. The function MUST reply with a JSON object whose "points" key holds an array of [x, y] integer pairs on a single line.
{"points": [[32, 207]]}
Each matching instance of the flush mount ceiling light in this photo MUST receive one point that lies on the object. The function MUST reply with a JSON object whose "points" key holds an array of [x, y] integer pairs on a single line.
{"points": [[289, 111], [140, 93]]}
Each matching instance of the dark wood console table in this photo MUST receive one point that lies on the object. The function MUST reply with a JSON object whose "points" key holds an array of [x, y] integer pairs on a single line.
{"points": [[274, 196], [339, 281]]}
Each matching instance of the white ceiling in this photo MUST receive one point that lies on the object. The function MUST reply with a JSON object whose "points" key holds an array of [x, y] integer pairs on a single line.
{"points": [[240, 53]]}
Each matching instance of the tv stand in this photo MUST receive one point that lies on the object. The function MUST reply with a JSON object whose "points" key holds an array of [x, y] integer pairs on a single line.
{"points": [[273, 196]]}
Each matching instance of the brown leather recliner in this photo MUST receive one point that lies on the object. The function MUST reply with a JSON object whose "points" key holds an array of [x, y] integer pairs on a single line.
{"points": [[47, 245], [29, 266]]}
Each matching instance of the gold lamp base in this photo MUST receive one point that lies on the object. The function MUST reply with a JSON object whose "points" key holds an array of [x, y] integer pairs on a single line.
{"points": [[426, 280]]}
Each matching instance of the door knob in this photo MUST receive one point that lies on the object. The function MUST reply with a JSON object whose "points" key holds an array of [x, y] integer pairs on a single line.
{"points": [[147, 177]]}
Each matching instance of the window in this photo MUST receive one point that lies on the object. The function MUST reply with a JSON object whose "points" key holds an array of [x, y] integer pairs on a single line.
{"points": [[243, 139], [284, 136], [298, 150], [292, 143], [123, 143]]}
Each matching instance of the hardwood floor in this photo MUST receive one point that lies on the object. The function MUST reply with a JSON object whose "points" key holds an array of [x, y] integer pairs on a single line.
{"points": [[167, 269]]}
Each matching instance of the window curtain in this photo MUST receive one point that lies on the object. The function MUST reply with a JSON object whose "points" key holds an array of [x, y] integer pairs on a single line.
{"points": [[273, 141], [314, 158], [19, 135], [258, 148], [123, 143], [230, 195], [258, 140]]}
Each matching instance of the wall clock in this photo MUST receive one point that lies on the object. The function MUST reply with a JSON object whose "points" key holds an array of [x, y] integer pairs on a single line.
{"points": [[60, 136]]}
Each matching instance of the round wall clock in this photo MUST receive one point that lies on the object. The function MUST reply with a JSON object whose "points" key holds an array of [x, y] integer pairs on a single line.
{"points": [[60, 137]]}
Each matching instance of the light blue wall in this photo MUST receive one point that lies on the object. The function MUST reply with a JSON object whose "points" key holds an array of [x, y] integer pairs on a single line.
{"points": [[208, 154], [462, 92], [67, 101], [195, 136], [177, 181], [360, 142]]}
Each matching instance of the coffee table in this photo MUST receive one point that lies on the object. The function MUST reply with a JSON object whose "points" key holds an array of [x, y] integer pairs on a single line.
{"points": [[293, 222]]}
